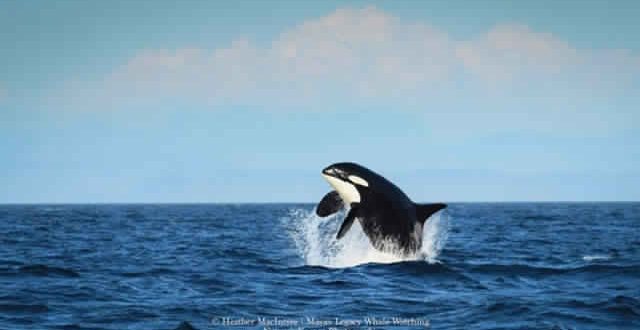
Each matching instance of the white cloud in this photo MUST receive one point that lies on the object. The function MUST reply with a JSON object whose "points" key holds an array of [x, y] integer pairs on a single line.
{"points": [[352, 51], [512, 51], [516, 55], [364, 54]]}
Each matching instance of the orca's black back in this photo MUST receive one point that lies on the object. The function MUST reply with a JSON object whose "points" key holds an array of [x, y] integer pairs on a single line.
{"points": [[381, 186], [388, 215]]}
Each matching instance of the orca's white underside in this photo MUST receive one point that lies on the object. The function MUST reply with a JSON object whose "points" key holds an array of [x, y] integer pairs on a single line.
{"points": [[346, 190]]}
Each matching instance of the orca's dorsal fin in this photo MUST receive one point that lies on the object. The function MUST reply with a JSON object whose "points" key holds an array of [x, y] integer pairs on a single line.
{"points": [[330, 204], [348, 221], [424, 211]]}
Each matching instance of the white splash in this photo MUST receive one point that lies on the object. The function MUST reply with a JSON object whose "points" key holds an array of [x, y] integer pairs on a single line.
{"points": [[315, 240], [596, 257]]}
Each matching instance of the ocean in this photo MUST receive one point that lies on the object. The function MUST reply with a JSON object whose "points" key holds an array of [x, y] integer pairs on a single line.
{"points": [[278, 266]]}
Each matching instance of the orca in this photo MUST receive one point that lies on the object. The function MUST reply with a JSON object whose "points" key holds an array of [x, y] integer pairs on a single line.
{"points": [[391, 221]]}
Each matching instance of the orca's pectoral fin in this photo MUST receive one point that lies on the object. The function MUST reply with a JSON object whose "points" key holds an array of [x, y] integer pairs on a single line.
{"points": [[348, 221], [330, 204], [424, 211]]}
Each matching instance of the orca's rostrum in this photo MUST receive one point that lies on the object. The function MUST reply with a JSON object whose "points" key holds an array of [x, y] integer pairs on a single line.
{"points": [[391, 221]]}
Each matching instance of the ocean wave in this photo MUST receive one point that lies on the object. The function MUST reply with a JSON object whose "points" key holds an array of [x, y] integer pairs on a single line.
{"points": [[414, 267], [510, 308], [622, 305], [149, 272], [333, 283], [523, 269], [306, 269], [74, 326], [44, 270], [185, 326], [538, 217], [23, 308]]}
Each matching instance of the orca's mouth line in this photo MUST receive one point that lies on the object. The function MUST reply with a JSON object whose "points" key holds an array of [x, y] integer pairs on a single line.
{"points": [[333, 173]]}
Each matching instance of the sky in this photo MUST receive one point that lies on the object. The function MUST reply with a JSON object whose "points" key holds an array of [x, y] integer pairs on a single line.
{"points": [[246, 101]]}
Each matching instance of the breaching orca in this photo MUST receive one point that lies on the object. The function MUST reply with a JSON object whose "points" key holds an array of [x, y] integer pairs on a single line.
{"points": [[391, 221]]}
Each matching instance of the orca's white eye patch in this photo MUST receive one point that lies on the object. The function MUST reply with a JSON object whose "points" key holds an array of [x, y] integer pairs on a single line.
{"points": [[358, 180]]}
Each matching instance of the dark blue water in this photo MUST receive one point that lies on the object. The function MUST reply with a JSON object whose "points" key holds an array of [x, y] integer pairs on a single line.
{"points": [[507, 266]]}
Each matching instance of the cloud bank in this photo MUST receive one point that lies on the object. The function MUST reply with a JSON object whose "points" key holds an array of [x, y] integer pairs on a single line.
{"points": [[368, 54]]}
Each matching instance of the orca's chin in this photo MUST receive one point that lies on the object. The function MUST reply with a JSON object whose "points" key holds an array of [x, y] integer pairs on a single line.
{"points": [[345, 189], [333, 180]]}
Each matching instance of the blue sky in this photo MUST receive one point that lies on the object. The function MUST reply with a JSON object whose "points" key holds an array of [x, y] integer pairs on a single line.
{"points": [[246, 101]]}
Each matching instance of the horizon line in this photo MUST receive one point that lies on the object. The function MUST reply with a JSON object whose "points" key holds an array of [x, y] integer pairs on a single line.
{"points": [[294, 202]]}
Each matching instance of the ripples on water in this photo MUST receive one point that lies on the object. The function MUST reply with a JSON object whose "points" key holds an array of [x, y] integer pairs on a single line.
{"points": [[513, 266]]}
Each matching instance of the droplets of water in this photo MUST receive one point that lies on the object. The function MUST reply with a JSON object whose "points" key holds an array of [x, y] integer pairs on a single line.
{"points": [[315, 241], [434, 236]]}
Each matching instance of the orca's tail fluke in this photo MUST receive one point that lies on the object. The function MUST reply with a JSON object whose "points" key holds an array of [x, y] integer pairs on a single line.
{"points": [[424, 211]]}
